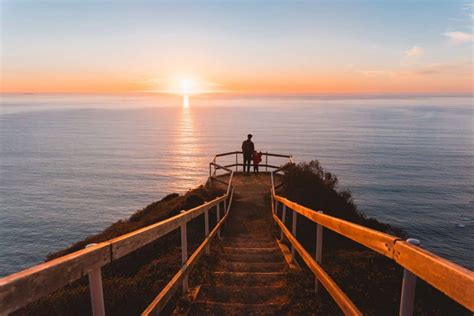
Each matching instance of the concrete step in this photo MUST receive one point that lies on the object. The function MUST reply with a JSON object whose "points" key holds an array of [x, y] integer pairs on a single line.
{"points": [[276, 295], [248, 278], [217, 308], [236, 266]]}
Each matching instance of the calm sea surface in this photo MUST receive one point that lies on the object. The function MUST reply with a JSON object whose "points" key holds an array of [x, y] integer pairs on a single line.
{"points": [[72, 165]]}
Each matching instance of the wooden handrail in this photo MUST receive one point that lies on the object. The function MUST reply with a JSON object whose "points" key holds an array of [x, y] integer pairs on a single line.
{"points": [[451, 279], [27, 286], [24, 287], [229, 153], [263, 154], [336, 293], [260, 165], [217, 166], [160, 301], [375, 240]]}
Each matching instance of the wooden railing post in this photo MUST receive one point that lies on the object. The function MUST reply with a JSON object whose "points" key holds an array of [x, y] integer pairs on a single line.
{"points": [[225, 210], [293, 232], [206, 230], [283, 217], [96, 290], [276, 208], [319, 250], [236, 161], [266, 161], [407, 299], [184, 252], [218, 215]]}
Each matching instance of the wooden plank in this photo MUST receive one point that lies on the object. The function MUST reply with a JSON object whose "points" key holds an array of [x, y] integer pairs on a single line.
{"points": [[264, 154], [279, 185], [160, 301], [228, 153], [260, 165], [276, 155], [451, 279], [130, 242], [269, 166], [220, 167], [375, 240], [333, 289], [219, 180], [230, 166], [24, 287]]}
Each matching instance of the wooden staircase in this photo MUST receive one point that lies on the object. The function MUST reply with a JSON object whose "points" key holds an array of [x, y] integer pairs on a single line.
{"points": [[251, 275], [250, 278]]}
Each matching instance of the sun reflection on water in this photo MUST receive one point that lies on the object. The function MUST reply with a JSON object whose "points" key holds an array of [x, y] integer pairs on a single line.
{"points": [[189, 163], [185, 101]]}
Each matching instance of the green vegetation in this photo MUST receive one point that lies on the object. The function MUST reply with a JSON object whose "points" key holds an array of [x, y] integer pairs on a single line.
{"points": [[372, 281]]}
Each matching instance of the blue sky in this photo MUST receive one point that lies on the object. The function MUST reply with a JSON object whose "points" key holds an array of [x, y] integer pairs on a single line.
{"points": [[261, 46]]}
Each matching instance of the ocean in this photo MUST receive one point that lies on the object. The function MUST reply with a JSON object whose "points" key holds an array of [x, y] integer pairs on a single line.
{"points": [[70, 165]]}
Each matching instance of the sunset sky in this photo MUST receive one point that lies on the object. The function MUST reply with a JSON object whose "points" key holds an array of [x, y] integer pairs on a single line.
{"points": [[237, 46]]}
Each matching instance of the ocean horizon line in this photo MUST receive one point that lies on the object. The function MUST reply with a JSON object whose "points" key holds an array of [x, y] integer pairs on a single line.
{"points": [[253, 95]]}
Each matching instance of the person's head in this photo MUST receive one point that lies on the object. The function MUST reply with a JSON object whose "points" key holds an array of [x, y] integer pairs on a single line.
{"points": [[249, 136]]}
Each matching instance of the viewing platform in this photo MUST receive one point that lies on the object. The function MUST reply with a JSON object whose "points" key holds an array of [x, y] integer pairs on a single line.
{"points": [[255, 243]]}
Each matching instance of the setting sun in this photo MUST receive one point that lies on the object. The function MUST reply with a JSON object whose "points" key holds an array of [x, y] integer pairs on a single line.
{"points": [[187, 86]]}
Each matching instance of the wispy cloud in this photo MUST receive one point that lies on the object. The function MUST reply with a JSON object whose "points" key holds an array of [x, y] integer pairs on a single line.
{"points": [[415, 51], [459, 37], [464, 68]]}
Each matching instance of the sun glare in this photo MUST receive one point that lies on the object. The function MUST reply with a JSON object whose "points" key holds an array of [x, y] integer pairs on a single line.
{"points": [[187, 86]]}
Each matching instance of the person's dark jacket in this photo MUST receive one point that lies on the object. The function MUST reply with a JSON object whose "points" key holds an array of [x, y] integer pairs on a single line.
{"points": [[248, 148]]}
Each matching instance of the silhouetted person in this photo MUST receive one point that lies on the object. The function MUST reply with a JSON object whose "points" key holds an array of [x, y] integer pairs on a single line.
{"points": [[257, 158], [248, 148]]}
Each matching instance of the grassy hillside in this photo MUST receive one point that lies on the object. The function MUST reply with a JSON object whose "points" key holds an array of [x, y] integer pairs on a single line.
{"points": [[372, 281], [131, 283]]}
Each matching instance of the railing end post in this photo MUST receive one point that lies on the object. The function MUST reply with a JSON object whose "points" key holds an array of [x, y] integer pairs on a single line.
{"points": [[96, 289], [184, 250], [319, 250], [407, 299]]}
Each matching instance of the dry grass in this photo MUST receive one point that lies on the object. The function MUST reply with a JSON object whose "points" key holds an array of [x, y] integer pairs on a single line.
{"points": [[132, 282], [372, 281]]}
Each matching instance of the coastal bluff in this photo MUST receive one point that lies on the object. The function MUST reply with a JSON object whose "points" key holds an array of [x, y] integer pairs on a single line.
{"points": [[254, 264]]}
